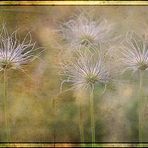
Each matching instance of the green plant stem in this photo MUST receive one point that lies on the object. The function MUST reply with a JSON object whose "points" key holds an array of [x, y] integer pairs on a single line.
{"points": [[5, 105], [139, 104], [53, 107], [81, 124], [92, 117]]}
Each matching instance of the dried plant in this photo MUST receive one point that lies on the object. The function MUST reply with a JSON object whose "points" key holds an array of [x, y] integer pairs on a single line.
{"points": [[134, 53], [85, 31], [134, 57], [14, 54], [87, 69]]}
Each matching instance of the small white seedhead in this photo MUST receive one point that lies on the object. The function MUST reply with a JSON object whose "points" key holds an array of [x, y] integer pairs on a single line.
{"points": [[86, 70], [14, 53], [85, 31], [134, 52]]}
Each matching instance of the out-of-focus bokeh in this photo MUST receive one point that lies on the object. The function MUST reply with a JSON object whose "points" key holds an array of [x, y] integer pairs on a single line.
{"points": [[31, 113]]}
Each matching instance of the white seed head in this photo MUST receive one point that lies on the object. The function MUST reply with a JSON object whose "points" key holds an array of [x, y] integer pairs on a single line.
{"points": [[13, 52], [134, 52], [86, 70], [84, 31]]}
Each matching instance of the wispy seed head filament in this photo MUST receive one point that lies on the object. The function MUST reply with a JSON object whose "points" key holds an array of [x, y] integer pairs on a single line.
{"points": [[14, 53], [87, 70], [134, 52], [84, 31]]}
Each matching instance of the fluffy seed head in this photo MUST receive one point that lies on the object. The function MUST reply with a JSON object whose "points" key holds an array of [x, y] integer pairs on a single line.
{"points": [[134, 52], [86, 70], [84, 31], [15, 53]]}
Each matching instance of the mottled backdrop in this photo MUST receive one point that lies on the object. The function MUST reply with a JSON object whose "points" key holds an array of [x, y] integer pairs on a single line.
{"points": [[31, 113]]}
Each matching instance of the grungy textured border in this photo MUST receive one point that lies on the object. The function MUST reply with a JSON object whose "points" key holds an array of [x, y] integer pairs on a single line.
{"points": [[72, 3]]}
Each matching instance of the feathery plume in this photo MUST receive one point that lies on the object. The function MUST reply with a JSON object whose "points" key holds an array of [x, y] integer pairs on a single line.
{"points": [[84, 31], [86, 69], [134, 53], [15, 53]]}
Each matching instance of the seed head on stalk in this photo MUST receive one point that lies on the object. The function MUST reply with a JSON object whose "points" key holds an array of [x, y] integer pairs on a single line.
{"points": [[14, 53], [134, 57]]}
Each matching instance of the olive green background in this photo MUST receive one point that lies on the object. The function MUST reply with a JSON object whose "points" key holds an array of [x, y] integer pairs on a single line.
{"points": [[32, 117]]}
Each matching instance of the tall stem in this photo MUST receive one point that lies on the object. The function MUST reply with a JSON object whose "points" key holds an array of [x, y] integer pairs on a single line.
{"points": [[92, 116], [53, 106], [5, 104], [140, 103], [81, 124]]}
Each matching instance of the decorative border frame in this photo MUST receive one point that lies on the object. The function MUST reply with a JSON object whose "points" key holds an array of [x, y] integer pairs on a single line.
{"points": [[72, 3]]}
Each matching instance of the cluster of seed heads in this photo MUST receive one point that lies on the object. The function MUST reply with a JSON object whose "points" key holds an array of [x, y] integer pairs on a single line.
{"points": [[90, 68]]}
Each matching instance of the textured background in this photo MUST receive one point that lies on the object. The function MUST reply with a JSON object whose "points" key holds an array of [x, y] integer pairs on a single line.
{"points": [[30, 106]]}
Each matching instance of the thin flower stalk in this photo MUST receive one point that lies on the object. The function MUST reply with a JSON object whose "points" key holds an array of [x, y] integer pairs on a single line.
{"points": [[14, 54], [81, 124], [86, 71], [7, 130], [134, 57], [92, 117], [140, 102]]}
